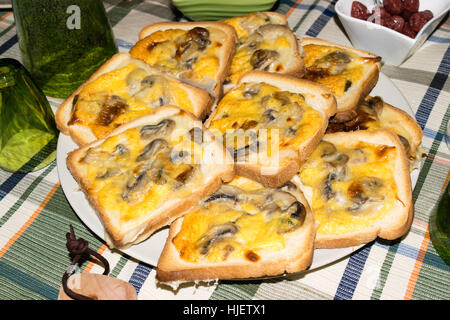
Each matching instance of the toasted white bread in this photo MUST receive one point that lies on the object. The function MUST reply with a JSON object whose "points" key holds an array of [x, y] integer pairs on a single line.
{"points": [[100, 86], [273, 235], [307, 111], [249, 23], [374, 113], [213, 45], [146, 173], [350, 76], [359, 188], [268, 46]]}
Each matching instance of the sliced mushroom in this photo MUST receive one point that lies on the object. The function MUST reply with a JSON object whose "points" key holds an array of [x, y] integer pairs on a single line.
{"points": [[262, 58], [337, 159], [365, 189], [195, 40], [251, 90], [135, 187], [252, 41], [277, 199], [214, 235], [327, 189], [270, 115], [334, 63], [283, 97], [163, 128], [226, 193], [293, 218], [108, 173], [134, 81], [111, 109], [120, 150], [326, 149], [152, 149], [150, 80], [200, 36], [157, 173], [254, 21]]}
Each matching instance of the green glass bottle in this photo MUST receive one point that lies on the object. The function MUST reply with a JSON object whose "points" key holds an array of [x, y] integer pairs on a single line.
{"points": [[440, 226], [28, 133], [62, 42]]}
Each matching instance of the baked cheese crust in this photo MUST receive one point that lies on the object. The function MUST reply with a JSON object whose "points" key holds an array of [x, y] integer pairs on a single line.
{"points": [[359, 187], [266, 43], [132, 174], [198, 53], [373, 113], [270, 123], [349, 73], [123, 89], [245, 226]]}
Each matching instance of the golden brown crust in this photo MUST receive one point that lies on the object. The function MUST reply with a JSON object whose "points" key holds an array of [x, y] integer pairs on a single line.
{"points": [[398, 220], [392, 117], [356, 94], [227, 49], [122, 236], [296, 256], [201, 100]]}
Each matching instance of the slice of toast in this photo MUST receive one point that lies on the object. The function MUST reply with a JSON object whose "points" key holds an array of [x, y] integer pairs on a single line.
{"points": [[373, 113], [359, 188], [122, 89], [243, 230], [247, 24], [265, 42], [145, 173], [349, 73], [271, 123], [195, 52]]}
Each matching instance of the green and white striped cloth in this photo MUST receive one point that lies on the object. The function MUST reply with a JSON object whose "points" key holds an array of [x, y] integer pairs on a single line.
{"points": [[35, 215]]}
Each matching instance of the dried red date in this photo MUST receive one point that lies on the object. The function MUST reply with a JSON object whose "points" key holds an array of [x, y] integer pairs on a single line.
{"points": [[417, 21], [394, 7], [400, 15], [406, 14], [427, 14], [398, 23], [359, 10], [411, 5], [407, 31]]}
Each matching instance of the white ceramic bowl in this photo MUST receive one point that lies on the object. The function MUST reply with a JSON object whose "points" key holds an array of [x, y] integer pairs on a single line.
{"points": [[392, 46]]}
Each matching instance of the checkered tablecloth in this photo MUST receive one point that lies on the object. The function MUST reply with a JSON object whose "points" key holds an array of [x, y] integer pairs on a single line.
{"points": [[35, 214]]}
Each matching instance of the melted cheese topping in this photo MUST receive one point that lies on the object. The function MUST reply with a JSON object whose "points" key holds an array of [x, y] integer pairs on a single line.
{"points": [[137, 99], [293, 126], [241, 62], [368, 119], [162, 49], [245, 25], [258, 231], [350, 196], [119, 181], [337, 83]]}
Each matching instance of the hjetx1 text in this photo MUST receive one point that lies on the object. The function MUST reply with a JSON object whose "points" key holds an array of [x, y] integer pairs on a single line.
{"points": [[233, 309]]}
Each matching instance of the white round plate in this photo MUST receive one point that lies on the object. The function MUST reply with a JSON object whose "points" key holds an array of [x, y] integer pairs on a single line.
{"points": [[150, 250]]}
